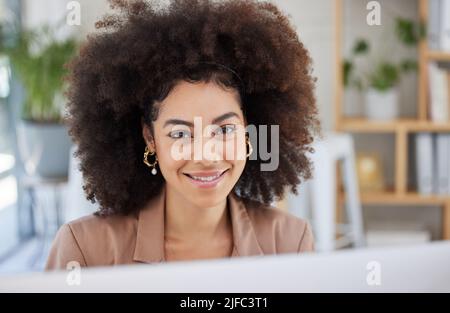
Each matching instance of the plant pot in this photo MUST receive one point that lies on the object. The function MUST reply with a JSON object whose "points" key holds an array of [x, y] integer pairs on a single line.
{"points": [[382, 105], [44, 148]]}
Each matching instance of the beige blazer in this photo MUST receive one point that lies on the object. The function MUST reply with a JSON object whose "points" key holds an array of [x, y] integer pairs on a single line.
{"points": [[102, 241]]}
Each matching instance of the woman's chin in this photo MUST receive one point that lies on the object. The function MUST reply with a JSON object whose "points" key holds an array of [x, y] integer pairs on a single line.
{"points": [[207, 196], [207, 201]]}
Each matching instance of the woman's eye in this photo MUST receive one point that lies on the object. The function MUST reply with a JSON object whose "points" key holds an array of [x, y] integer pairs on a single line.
{"points": [[226, 129], [178, 134]]}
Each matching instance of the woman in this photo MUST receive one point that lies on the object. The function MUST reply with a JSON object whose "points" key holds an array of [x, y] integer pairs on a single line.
{"points": [[159, 105]]}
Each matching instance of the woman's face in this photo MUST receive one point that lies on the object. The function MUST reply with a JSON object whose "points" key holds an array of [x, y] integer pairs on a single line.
{"points": [[199, 139]]}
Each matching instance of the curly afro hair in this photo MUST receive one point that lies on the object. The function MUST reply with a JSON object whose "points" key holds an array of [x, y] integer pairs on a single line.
{"points": [[138, 54]]}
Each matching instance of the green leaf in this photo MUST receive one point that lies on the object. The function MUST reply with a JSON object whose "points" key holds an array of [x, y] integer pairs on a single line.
{"points": [[407, 31], [384, 77], [361, 47], [348, 66], [42, 73]]}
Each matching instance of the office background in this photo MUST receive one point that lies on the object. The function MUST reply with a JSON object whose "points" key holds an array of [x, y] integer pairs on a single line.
{"points": [[397, 198]]}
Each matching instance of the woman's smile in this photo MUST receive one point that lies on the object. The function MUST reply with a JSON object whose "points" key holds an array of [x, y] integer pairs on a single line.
{"points": [[206, 179]]}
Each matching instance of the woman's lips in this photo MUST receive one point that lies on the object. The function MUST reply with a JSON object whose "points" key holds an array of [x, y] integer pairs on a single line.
{"points": [[205, 179]]}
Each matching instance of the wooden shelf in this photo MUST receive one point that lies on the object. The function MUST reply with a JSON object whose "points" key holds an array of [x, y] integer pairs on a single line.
{"points": [[364, 125], [361, 124], [409, 198], [390, 197], [400, 128], [438, 56]]}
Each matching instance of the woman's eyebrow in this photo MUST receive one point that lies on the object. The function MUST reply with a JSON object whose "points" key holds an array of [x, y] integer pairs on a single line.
{"points": [[217, 120], [175, 121], [224, 117]]}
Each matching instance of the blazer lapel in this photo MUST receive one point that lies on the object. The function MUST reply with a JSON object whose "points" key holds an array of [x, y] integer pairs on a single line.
{"points": [[150, 230], [244, 236]]}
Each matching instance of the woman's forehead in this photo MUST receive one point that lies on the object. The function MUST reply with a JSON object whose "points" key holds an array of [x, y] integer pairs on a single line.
{"points": [[207, 100]]}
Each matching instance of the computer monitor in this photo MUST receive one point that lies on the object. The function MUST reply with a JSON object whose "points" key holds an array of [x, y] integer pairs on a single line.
{"points": [[423, 268]]}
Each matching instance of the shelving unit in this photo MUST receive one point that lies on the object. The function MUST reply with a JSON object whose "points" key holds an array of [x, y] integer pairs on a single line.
{"points": [[399, 195]]}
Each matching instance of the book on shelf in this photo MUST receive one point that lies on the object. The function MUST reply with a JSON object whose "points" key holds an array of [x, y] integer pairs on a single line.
{"points": [[439, 25], [448, 162], [442, 156], [432, 163], [434, 25], [445, 25], [439, 86], [424, 163]]}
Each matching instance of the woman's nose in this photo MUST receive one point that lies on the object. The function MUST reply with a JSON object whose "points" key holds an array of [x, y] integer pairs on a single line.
{"points": [[207, 149]]}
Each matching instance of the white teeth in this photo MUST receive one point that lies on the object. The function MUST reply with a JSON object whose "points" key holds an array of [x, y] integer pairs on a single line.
{"points": [[205, 178]]}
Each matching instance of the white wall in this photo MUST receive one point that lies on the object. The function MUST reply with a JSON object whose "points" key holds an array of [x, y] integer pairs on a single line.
{"points": [[91, 11], [314, 22]]}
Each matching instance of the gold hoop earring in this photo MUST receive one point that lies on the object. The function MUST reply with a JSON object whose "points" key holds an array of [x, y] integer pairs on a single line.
{"points": [[151, 165], [250, 148]]}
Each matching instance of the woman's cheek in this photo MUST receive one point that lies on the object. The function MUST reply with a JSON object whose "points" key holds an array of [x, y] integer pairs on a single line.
{"points": [[236, 156], [235, 149], [168, 160]]}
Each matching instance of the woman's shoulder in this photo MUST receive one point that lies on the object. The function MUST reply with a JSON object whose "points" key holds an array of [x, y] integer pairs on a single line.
{"points": [[92, 240], [281, 228], [101, 225]]}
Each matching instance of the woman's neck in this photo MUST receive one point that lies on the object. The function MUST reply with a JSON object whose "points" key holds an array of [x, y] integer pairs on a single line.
{"points": [[189, 222]]}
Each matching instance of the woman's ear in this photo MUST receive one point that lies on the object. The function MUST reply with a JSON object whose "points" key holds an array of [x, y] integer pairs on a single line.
{"points": [[148, 136]]}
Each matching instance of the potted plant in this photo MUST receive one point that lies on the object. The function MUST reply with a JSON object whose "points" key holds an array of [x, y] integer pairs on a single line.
{"points": [[381, 102], [37, 57], [380, 82]]}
